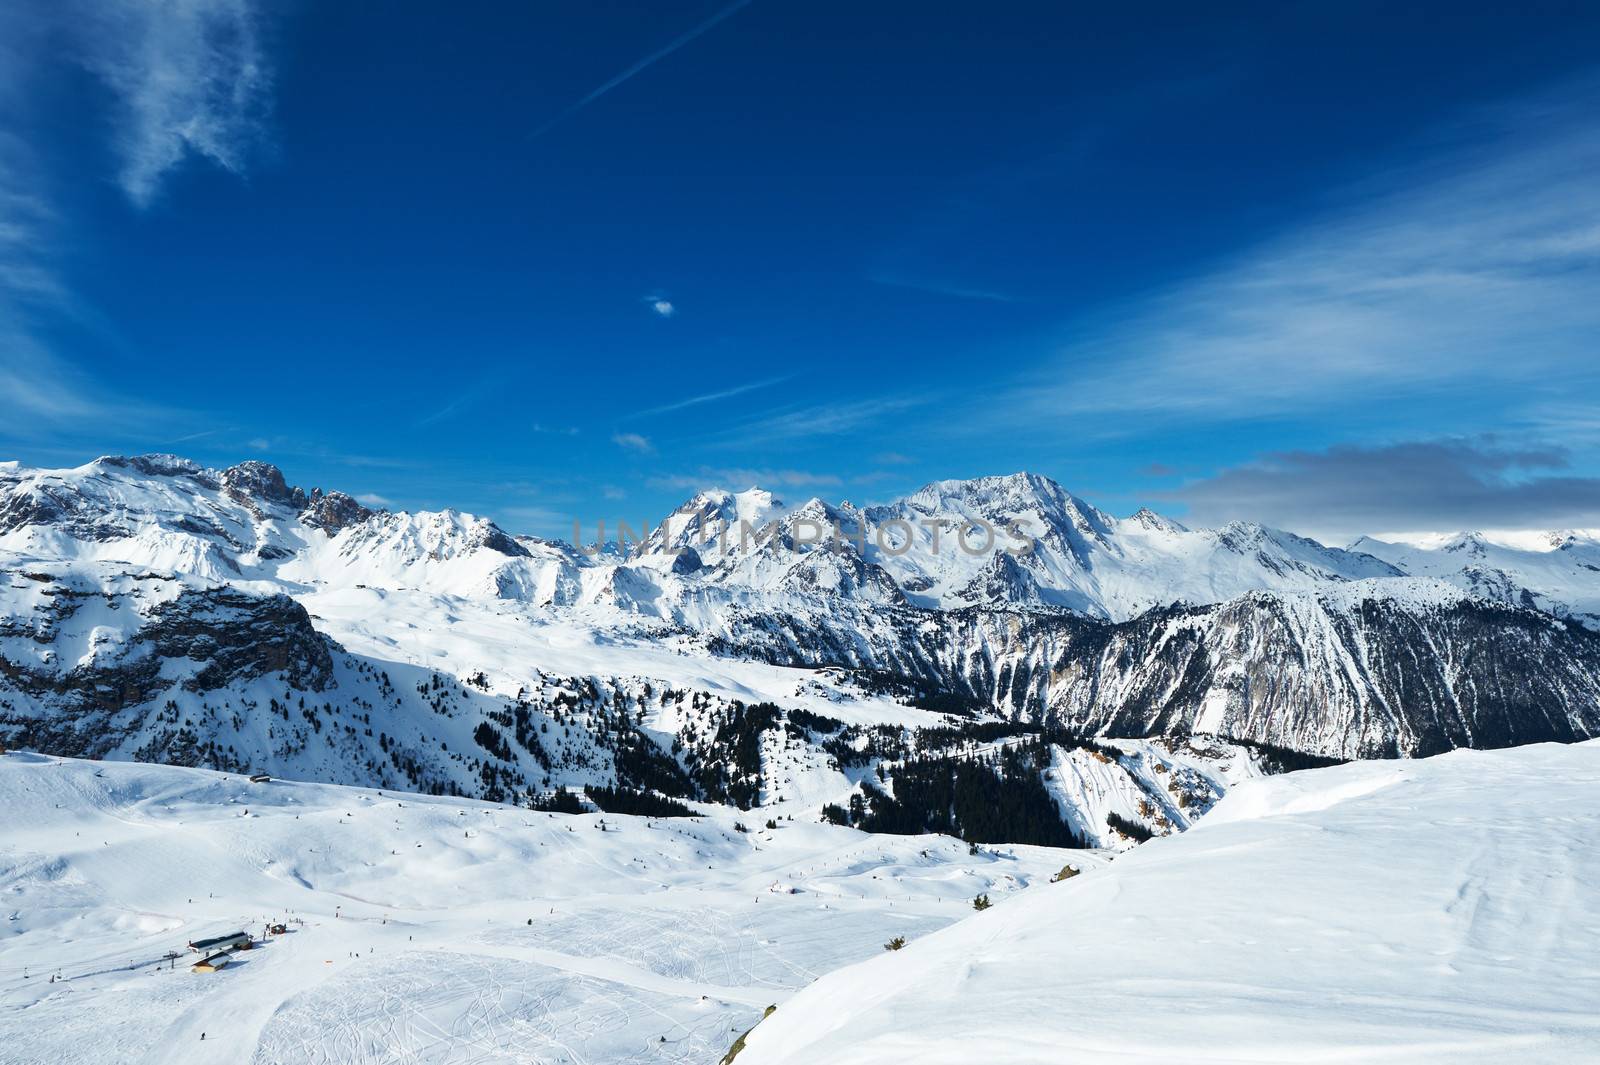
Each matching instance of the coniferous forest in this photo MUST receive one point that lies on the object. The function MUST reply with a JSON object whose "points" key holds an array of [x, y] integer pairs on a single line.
{"points": [[998, 799]]}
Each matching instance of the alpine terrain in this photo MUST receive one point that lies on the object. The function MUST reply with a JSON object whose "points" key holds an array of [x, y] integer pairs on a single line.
{"points": [[536, 759]]}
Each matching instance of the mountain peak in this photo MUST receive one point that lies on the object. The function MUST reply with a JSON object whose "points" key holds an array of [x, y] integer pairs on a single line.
{"points": [[1145, 518], [333, 512], [261, 481], [1021, 482], [152, 465]]}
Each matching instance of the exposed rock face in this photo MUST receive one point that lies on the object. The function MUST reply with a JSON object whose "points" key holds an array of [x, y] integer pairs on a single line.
{"points": [[1354, 675], [160, 466], [239, 636], [194, 639], [333, 512], [498, 540], [252, 483], [1006, 581]]}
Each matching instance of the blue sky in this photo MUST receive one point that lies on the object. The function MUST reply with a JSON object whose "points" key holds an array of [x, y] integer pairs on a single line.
{"points": [[1331, 266]]}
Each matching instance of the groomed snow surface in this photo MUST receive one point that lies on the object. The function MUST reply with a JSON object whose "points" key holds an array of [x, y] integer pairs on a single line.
{"points": [[1444, 910], [430, 929]]}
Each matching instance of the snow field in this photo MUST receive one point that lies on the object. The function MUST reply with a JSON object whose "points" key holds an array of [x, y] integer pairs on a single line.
{"points": [[434, 930]]}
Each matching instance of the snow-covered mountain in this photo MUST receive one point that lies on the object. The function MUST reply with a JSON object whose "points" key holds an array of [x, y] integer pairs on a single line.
{"points": [[1015, 542], [1558, 572], [1084, 559], [1019, 541], [154, 609], [168, 514]]}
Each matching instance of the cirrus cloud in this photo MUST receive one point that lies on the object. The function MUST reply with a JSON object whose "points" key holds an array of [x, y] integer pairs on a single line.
{"points": [[739, 479], [1416, 286], [633, 442], [190, 78]]}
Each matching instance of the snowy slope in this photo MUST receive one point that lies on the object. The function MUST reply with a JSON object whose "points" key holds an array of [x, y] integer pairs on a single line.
{"points": [[424, 929], [1432, 911]]}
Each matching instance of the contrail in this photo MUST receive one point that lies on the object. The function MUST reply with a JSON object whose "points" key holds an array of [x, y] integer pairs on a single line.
{"points": [[659, 54], [710, 397]]}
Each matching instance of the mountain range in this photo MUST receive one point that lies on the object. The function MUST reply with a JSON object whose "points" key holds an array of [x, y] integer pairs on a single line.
{"points": [[749, 650]]}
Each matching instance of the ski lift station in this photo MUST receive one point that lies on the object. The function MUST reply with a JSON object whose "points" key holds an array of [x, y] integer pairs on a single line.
{"points": [[229, 941]]}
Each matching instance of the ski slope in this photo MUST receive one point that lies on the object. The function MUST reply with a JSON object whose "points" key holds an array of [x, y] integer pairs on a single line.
{"points": [[1443, 910], [430, 929]]}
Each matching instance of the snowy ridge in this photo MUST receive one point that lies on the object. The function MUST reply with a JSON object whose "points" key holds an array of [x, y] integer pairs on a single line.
{"points": [[1558, 572], [1086, 560], [446, 552], [721, 548]]}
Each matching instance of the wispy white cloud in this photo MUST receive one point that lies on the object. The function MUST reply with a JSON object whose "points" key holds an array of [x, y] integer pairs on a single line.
{"points": [[633, 442], [189, 76], [823, 419], [662, 306], [373, 499], [711, 397], [453, 407], [638, 67], [185, 75], [481, 389], [44, 393], [1473, 272], [741, 478]]}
